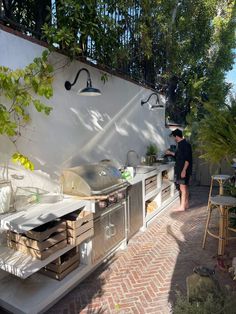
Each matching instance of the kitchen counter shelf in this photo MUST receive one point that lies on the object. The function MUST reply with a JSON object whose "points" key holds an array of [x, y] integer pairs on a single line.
{"points": [[36, 294], [152, 194], [163, 206], [40, 214], [23, 265], [153, 214], [165, 184], [170, 200]]}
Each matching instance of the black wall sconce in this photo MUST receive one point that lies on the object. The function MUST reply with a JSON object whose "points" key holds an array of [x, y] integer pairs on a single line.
{"points": [[152, 107], [87, 91]]}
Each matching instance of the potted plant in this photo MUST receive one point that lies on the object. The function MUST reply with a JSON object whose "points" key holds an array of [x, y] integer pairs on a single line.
{"points": [[151, 153]]}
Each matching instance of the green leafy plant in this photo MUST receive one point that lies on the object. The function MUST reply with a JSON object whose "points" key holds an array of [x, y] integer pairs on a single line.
{"points": [[104, 77], [20, 89], [223, 302], [151, 149], [217, 134]]}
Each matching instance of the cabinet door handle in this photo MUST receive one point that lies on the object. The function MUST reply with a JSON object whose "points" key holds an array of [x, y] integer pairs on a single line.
{"points": [[107, 232], [113, 230], [128, 214]]}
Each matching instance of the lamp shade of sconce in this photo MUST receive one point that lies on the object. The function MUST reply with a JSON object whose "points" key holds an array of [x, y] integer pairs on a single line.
{"points": [[89, 90], [150, 106], [155, 107]]}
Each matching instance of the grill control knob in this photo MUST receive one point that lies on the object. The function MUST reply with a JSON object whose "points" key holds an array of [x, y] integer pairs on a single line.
{"points": [[120, 195], [102, 204], [112, 199]]}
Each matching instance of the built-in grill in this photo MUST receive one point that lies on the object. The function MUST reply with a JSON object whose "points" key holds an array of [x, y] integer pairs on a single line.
{"points": [[98, 181], [92, 179], [103, 184]]}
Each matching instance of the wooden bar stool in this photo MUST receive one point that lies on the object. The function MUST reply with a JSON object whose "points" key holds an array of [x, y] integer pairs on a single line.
{"points": [[222, 203], [221, 179]]}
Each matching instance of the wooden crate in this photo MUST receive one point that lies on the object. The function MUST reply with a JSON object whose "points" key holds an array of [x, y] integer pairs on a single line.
{"points": [[63, 265], [81, 238], [79, 226], [42, 242], [43, 232], [76, 231], [150, 184]]}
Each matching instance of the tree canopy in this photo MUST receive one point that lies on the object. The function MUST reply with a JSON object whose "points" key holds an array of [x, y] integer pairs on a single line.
{"points": [[181, 48]]}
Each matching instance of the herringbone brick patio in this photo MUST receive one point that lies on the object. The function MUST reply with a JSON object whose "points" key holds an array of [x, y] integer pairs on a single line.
{"points": [[145, 276]]}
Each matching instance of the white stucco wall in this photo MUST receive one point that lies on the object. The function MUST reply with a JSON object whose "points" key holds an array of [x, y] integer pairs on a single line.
{"points": [[82, 129]]}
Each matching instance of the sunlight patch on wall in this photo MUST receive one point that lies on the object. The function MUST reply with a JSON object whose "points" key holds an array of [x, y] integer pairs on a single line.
{"points": [[108, 131], [121, 130], [87, 126]]}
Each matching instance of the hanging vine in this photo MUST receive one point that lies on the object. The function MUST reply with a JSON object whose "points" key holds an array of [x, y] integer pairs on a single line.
{"points": [[20, 89]]}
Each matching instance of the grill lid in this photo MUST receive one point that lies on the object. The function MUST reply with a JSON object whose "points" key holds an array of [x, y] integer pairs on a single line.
{"points": [[90, 179]]}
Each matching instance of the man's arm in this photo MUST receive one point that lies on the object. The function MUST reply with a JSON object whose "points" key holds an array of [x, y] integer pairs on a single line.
{"points": [[169, 152], [183, 172], [187, 158]]}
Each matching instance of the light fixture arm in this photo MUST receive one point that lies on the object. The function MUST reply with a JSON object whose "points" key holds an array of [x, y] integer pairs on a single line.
{"points": [[145, 101], [68, 85]]}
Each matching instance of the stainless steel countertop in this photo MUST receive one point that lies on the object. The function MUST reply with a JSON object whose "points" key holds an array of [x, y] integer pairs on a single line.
{"points": [[157, 169]]}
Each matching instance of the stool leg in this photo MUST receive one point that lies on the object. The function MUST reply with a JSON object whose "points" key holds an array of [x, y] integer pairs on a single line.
{"points": [[222, 229], [221, 189], [209, 196], [207, 225], [226, 226]]}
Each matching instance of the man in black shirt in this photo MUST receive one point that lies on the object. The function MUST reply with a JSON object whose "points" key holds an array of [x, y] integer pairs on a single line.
{"points": [[183, 167]]}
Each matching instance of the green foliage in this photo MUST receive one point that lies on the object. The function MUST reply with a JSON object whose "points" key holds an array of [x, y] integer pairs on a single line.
{"points": [[222, 303], [217, 134], [63, 38], [183, 48], [230, 188], [19, 89], [151, 149], [23, 160], [104, 77], [189, 42]]}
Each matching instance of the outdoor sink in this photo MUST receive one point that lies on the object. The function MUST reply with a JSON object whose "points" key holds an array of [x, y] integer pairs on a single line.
{"points": [[144, 169]]}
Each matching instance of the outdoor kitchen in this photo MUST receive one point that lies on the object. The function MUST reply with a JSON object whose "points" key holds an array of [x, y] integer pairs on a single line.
{"points": [[65, 240], [117, 157], [89, 195]]}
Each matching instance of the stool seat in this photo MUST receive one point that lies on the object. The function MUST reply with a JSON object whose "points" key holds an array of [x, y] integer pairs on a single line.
{"points": [[221, 179], [220, 176], [222, 203], [222, 200]]}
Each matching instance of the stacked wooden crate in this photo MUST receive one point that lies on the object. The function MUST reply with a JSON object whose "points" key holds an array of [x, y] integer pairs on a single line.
{"points": [[43, 241], [79, 226], [40, 242], [63, 265]]}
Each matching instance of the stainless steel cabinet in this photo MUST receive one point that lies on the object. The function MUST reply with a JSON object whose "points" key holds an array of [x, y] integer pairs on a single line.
{"points": [[134, 209], [109, 231]]}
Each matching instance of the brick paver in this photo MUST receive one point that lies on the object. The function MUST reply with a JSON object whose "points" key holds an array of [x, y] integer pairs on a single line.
{"points": [[145, 276]]}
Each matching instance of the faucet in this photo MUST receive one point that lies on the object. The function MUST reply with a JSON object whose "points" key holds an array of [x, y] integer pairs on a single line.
{"points": [[132, 158]]}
